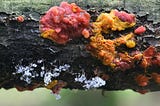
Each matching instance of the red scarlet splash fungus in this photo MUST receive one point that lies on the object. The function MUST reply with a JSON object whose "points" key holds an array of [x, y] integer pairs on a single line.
{"points": [[148, 54], [66, 22], [142, 80], [20, 18], [140, 30]]}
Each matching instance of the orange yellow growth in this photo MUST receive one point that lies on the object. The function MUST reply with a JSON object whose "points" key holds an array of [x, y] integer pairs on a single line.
{"points": [[130, 44], [104, 49], [107, 22]]}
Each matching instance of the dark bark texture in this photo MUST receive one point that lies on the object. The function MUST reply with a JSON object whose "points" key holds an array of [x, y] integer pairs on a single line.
{"points": [[25, 57]]}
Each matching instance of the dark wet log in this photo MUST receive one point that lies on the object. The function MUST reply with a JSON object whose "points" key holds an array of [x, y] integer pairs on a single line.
{"points": [[28, 61]]}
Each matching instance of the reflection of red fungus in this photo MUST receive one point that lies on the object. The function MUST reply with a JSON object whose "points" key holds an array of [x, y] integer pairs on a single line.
{"points": [[142, 80], [140, 30], [64, 23]]}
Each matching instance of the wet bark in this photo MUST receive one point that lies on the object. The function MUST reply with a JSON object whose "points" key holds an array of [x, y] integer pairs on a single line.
{"points": [[22, 48]]}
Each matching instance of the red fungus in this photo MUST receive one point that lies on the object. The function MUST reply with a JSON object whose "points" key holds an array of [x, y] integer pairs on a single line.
{"points": [[149, 52], [147, 56], [123, 66], [20, 18], [64, 23], [142, 80], [140, 30], [150, 57], [123, 63], [125, 17]]}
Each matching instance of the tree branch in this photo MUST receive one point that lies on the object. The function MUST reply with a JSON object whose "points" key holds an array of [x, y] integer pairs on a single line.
{"points": [[28, 61]]}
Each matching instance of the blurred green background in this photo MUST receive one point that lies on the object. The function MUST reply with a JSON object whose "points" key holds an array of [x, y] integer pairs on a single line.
{"points": [[43, 97]]}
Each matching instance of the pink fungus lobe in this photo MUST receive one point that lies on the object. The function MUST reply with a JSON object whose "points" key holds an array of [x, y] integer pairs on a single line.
{"points": [[140, 30], [124, 16]]}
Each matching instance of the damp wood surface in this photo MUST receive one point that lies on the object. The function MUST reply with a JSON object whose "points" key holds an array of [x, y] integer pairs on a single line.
{"points": [[22, 48]]}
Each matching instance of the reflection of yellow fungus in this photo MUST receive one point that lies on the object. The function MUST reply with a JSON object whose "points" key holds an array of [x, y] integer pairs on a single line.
{"points": [[130, 44], [52, 84]]}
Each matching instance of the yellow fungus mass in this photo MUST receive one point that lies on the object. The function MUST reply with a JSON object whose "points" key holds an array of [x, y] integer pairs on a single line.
{"points": [[123, 39], [104, 49], [107, 22], [47, 33], [130, 44]]}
